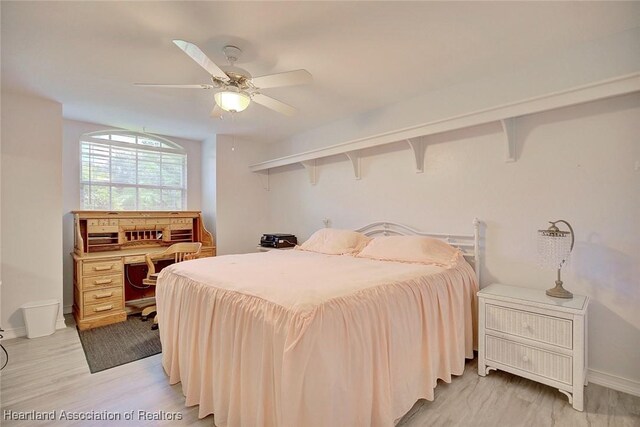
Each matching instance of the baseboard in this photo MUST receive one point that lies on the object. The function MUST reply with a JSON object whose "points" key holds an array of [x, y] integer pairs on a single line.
{"points": [[14, 333], [67, 309], [614, 382], [22, 331], [60, 324]]}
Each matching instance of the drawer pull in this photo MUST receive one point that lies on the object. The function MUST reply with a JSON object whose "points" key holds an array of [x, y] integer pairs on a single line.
{"points": [[103, 308], [525, 358], [100, 296], [103, 281], [103, 268]]}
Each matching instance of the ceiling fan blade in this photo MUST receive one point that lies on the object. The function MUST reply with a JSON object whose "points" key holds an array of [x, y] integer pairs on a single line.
{"points": [[289, 78], [216, 113], [197, 55], [175, 86], [274, 104]]}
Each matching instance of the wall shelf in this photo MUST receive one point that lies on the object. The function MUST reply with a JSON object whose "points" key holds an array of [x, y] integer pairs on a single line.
{"points": [[416, 135]]}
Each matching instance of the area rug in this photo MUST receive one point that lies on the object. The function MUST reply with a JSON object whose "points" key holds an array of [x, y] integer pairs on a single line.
{"points": [[114, 345]]}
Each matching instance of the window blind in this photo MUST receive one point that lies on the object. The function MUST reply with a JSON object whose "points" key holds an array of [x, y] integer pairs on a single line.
{"points": [[131, 173]]}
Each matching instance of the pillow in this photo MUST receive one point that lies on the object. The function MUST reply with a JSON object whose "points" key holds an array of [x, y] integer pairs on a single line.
{"points": [[416, 249], [332, 241]]}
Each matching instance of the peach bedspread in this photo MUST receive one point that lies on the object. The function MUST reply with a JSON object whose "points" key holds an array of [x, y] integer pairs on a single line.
{"points": [[293, 338]]}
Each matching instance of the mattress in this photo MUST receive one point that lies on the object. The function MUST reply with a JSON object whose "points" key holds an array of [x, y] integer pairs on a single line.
{"points": [[294, 338]]}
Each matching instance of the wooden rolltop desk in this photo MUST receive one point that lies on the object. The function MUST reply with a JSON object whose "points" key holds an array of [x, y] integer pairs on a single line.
{"points": [[107, 243]]}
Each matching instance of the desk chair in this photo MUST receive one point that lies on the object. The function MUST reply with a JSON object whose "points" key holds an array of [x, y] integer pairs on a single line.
{"points": [[181, 252]]}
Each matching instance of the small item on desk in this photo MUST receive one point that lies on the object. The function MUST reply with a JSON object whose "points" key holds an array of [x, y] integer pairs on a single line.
{"points": [[278, 240]]}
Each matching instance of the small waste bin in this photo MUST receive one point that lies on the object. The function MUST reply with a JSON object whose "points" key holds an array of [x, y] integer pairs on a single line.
{"points": [[40, 317]]}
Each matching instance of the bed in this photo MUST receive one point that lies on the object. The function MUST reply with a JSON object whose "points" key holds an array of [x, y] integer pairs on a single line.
{"points": [[295, 338]]}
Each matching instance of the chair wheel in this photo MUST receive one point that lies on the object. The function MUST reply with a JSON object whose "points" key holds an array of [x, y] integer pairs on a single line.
{"points": [[144, 318], [154, 326]]}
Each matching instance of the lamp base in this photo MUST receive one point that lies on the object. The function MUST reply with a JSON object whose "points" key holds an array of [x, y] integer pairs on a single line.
{"points": [[559, 291]]}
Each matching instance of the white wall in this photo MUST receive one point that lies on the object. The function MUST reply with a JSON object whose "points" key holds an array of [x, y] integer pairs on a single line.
{"points": [[576, 163], [73, 130], [31, 205], [242, 210], [585, 63], [208, 165]]}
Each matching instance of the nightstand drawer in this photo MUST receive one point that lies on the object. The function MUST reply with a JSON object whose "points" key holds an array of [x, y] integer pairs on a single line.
{"points": [[540, 362], [547, 329]]}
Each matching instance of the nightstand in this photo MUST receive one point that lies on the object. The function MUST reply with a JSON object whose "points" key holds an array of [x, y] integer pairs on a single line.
{"points": [[267, 249], [527, 333]]}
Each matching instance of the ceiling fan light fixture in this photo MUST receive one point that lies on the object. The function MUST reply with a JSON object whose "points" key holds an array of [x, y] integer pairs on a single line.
{"points": [[232, 101], [237, 87]]}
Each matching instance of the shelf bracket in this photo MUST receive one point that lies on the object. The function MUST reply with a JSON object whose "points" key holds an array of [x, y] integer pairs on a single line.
{"points": [[509, 129], [354, 156], [264, 178], [310, 166], [418, 146]]}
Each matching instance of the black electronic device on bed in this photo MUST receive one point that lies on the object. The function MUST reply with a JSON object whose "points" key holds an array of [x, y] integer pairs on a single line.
{"points": [[278, 240]]}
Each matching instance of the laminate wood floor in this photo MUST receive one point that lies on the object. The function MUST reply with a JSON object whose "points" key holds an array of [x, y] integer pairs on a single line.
{"points": [[51, 373]]}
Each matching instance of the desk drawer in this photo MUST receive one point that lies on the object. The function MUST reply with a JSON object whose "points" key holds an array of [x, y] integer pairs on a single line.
{"points": [[540, 362], [102, 221], [158, 221], [100, 282], [181, 226], [142, 259], [105, 307], [102, 229], [135, 259], [547, 329], [102, 296], [182, 221], [135, 221], [94, 268], [103, 301]]}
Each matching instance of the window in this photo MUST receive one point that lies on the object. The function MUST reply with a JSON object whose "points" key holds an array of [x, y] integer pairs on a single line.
{"points": [[131, 171]]}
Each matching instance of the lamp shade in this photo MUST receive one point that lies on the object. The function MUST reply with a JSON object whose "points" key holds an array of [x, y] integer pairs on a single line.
{"points": [[232, 101], [554, 247]]}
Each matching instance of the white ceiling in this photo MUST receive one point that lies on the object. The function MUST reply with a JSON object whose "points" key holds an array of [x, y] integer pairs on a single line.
{"points": [[363, 55]]}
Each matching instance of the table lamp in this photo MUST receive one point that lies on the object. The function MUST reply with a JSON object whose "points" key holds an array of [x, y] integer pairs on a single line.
{"points": [[554, 247]]}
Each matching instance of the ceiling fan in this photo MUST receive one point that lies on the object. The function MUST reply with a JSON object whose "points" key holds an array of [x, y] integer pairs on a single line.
{"points": [[237, 88]]}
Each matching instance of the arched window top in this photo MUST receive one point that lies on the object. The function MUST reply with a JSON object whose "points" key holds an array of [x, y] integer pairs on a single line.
{"points": [[138, 138]]}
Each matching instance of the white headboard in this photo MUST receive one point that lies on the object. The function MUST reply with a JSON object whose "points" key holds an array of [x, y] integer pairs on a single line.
{"points": [[469, 244]]}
